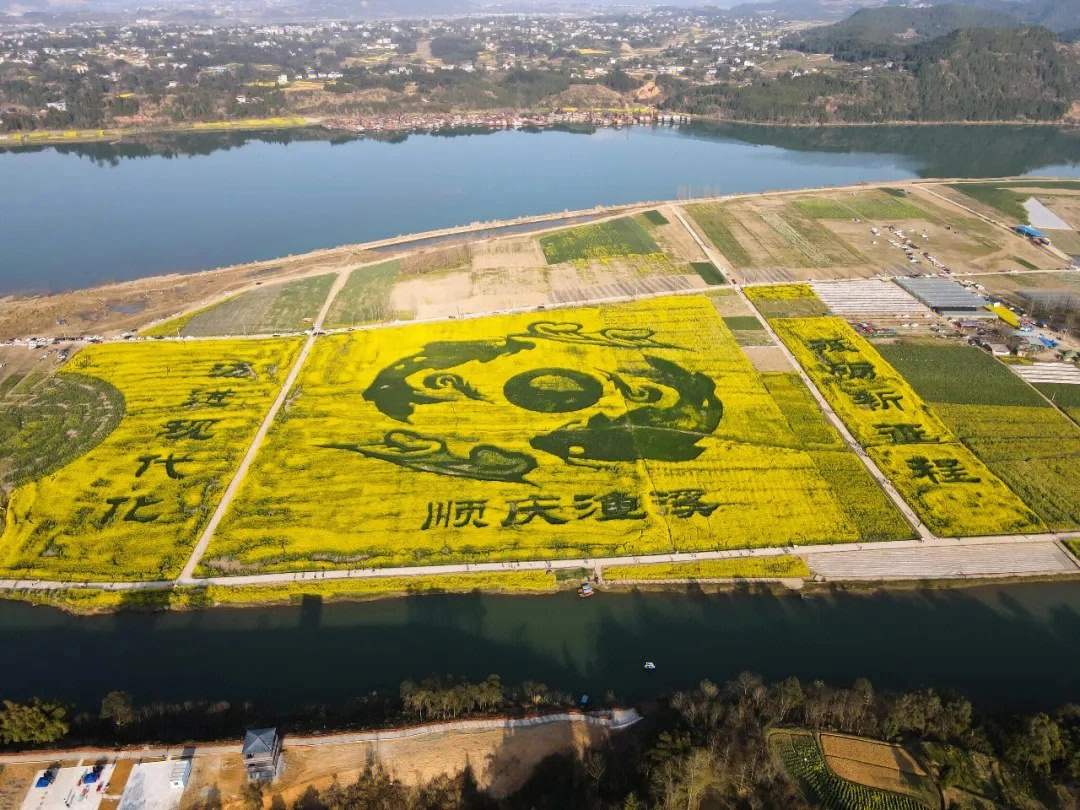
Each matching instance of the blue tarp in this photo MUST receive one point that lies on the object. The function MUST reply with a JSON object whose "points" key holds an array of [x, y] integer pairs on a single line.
{"points": [[1027, 230]]}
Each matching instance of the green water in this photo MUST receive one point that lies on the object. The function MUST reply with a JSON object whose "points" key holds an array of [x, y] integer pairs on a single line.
{"points": [[1011, 647]]}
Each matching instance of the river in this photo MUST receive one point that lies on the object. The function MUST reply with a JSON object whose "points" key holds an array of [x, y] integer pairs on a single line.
{"points": [[80, 215], [1014, 647]]}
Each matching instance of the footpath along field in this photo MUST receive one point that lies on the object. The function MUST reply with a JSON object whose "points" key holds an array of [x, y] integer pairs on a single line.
{"points": [[132, 506], [603, 431], [949, 487]]}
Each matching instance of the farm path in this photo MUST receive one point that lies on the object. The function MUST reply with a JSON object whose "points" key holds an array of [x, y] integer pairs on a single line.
{"points": [[908, 513], [187, 574], [615, 720], [829, 557]]}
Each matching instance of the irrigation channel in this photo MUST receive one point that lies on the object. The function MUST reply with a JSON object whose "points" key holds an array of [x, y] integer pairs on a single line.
{"points": [[1008, 647]]}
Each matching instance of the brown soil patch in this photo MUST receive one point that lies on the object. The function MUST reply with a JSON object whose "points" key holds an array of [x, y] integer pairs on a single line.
{"points": [[647, 92], [588, 95], [507, 253], [870, 752], [14, 782], [214, 779], [119, 777], [767, 358], [501, 760]]}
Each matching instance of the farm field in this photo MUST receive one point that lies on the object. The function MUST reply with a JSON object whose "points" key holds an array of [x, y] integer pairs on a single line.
{"points": [[952, 491], [801, 756], [131, 506], [287, 307], [365, 297], [1066, 397], [876, 205], [1029, 445], [503, 438], [623, 236]]}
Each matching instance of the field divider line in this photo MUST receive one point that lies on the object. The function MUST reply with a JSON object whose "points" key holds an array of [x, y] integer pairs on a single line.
{"points": [[187, 574], [909, 514]]}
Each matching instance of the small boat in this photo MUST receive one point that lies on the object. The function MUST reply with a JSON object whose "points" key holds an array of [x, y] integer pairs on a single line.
{"points": [[650, 665], [585, 590]]}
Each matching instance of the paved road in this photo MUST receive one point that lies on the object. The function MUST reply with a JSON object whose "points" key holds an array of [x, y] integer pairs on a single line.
{"points": [[593, 563], [920, 528]]}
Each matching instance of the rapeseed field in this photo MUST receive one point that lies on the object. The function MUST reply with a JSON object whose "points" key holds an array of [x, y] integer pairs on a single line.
{"points": [[950, 488], [133, 505], [596, 431]]}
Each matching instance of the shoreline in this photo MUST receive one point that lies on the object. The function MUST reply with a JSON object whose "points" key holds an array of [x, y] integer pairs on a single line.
{"points": [[479, 125], [744, 586]]}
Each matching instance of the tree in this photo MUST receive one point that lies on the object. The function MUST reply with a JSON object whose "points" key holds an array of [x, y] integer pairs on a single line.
{"points": [[1037, 745], [116, 706], [34, 722]]}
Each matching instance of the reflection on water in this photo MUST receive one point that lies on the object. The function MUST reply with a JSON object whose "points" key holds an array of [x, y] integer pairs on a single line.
{"points": [[1013, 647], [91, 213]]}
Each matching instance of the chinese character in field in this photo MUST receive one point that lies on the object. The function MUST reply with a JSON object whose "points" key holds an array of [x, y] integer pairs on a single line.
{"points": [[438, 514], [169, 463], [861, 370], [877, 400], [903, 433], [232, 368], [465, 513], [922, 467], [520, 512], [953, 472], [612, 506], [685, 503], [470, 513], [132, 514], [822, 345], [198, 429], [217, 397]]}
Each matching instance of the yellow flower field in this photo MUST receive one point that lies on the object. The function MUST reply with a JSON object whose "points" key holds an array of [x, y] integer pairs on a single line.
{"points": [[597, 431], [737, 568], [132, 507], [947, 485]]}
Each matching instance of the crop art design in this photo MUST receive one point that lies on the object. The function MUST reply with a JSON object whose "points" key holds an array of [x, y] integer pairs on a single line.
{"points": [[669, 408], [623, 429]]}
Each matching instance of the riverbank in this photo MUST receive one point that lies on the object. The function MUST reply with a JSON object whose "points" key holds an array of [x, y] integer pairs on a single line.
{"points": [[404, 124], [53, 137]]}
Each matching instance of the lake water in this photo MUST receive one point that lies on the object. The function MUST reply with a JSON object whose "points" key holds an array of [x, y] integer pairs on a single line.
{"points": [[1013, 647], [81, 215]]}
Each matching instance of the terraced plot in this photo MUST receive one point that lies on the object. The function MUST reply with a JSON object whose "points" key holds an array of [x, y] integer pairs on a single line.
{"points": [[132, 504], [610, 430]]}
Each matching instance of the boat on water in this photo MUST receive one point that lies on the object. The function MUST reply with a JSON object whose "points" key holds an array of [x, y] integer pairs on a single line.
{"points": [[585, 590]]}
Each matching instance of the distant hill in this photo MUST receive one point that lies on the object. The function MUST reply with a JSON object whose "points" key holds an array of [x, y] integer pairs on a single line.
{"points": [[905, 24], [1057, 15], [971, 74]]}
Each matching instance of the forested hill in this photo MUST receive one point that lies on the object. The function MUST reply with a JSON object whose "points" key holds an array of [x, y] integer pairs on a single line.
{"points": [[972, 74], [897, 26]]}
